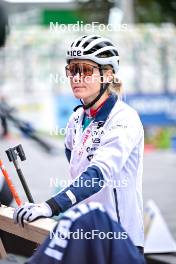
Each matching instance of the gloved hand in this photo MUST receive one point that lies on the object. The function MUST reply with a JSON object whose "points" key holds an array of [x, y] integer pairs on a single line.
{"points": [[31, 212]]}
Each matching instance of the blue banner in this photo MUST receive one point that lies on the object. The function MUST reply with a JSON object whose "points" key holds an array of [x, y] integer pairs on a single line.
{"points": [[64, 105], [154, 109]]}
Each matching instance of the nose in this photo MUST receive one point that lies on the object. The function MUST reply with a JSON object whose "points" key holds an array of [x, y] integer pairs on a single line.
{"points": [[76, 78]]}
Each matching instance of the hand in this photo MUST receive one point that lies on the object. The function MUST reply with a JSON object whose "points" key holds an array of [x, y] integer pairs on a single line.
{"points": [[31, 212]]}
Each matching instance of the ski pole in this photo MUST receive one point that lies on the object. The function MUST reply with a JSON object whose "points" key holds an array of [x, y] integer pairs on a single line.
{"points": [[12, 154], [10, 184]]}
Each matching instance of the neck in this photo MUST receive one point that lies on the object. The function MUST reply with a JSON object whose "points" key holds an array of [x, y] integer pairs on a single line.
{"points": [[98, 103]]}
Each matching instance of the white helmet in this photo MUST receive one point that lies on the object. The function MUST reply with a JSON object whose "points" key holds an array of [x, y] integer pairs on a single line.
{"points": [[94, 48]]}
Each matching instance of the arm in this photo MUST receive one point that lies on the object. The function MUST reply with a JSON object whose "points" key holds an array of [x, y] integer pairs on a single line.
{"points": [[87, 184], [108, 161]]}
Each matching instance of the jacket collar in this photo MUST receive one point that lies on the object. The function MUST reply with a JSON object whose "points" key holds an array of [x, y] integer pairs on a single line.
{"points": [[105, 110]]}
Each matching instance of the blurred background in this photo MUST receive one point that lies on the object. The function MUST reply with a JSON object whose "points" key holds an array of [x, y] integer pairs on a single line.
{"points": [[33, 87], [32, 63]]}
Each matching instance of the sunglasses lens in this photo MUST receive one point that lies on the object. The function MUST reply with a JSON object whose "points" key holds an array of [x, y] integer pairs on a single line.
{"points": [[71, 70], [87, 70], [82, 69]]}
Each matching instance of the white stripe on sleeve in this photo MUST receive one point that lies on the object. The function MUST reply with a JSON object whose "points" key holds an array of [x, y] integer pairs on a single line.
{"points": [[71, 196]]}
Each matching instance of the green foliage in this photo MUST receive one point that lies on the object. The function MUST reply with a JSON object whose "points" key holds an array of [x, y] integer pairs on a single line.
{"points": [[95, 10], [155, 11]]}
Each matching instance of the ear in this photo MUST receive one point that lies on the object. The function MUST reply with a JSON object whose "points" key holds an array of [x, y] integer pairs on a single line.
{"points": [[108, 75]]}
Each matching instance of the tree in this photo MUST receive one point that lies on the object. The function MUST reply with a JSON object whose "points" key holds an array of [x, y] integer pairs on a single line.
{"points": [[155, 11]]}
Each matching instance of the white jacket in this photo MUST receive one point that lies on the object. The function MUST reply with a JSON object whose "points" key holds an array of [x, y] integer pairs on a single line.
{"points": [[113, 146]]}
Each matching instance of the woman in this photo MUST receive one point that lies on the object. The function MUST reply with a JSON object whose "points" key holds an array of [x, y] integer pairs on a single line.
{"points": [[104, 142]]}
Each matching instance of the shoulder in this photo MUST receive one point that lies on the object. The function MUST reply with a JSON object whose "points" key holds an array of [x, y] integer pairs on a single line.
{"points": [[124, 118], [75, 116], [124, 112]]}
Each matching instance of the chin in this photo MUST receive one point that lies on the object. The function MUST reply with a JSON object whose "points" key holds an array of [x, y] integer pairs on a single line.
{"points": [[79, 95]]}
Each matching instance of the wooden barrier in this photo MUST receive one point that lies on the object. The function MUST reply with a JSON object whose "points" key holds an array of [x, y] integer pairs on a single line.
{"points": [[39, 230], [35, 232]]}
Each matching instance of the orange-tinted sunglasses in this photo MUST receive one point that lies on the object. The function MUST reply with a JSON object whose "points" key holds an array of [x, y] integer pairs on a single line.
{"points": [[83, 69]]}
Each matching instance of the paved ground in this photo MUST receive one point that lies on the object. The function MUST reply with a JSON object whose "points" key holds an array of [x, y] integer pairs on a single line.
{"points": [[41, 170], [159, 184]]}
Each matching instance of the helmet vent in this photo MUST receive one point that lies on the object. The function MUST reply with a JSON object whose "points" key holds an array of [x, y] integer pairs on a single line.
{"points": [[77, 44], [107, 54]]}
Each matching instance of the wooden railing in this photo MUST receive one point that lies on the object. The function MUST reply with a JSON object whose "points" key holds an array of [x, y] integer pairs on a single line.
{"points": [[35, 232]]}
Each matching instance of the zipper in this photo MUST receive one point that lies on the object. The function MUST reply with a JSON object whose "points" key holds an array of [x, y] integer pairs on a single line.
{"points": [[116, 204]]}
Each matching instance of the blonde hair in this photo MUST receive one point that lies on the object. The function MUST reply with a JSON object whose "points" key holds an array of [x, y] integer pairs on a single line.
{"points": [[116, 84]]}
